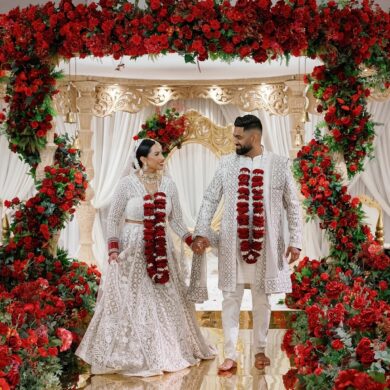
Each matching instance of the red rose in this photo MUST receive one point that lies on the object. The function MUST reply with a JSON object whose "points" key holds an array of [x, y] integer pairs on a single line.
{"points": [[364, 351], [4, 384], [244, 246], [324, 276], [383, 285], [321, 211], [44, 229], [337, 344]]}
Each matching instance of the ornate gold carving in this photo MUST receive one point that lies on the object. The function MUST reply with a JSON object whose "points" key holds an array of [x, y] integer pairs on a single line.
{"points": [[112, 98], [85, 216], [53, 243], [202, 130], [3, 89], [379, 229], [5, 228], [380, 96], [46, 154]]}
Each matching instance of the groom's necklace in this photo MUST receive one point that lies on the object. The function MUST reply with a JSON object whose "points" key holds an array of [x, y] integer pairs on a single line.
{"points": [[250, 237]]}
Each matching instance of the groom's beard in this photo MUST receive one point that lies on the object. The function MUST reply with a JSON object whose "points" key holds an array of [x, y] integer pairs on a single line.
{"points": [[242, 150]]}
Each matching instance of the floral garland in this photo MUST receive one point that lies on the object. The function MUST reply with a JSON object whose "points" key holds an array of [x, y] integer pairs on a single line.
{"points": [[155, 237], [167, 129], [48, 298], [251, 242], [33, 38]]}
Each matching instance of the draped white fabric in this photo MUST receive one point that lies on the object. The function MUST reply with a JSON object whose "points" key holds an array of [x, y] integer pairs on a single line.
{"points": [[14, 180], [375, 180], [192, 167]]}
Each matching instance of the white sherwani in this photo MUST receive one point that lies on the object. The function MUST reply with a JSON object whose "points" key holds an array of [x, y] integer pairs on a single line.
{"points": [[272, 271]]}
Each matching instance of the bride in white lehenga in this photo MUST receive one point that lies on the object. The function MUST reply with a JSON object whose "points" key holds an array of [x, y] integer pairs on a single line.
{"points": [[143, 326]]}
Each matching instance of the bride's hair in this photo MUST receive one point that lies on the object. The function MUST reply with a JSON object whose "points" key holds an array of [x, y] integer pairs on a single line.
{"points": [[144, 150]]}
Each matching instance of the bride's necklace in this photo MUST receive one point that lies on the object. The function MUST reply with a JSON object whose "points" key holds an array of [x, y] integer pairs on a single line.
{"points": [[150, 178]]}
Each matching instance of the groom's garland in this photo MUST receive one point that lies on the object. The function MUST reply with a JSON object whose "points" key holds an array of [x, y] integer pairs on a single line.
{"points": [[250, 244], [155, 237]]}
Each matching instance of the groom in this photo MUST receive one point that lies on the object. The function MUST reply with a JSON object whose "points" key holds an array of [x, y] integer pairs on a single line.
{"points": [[256, 185]]}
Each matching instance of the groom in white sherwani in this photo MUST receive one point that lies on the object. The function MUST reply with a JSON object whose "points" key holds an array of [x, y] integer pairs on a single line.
{"points": [[256, 186]]}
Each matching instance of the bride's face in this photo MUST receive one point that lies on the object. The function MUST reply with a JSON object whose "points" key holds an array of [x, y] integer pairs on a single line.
{"points": [[155, 159]]}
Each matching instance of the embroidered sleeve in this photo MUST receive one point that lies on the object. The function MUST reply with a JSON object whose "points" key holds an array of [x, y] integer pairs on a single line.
{"points": [[117, 208], [210, 203], [176, 217], [293, 207]]}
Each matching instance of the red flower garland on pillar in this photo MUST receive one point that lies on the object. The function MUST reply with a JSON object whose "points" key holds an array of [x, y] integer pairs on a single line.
{"points": [[251, 242], [155, 237]]}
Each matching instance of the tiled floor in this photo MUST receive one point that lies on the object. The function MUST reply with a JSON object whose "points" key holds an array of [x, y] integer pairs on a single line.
{"points": [[205, 375]]}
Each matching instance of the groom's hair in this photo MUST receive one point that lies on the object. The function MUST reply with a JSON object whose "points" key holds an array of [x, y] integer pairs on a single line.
{"points": [[249, 122]]}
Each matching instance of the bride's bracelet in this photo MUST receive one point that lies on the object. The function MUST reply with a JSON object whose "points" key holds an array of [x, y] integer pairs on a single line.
{"points": [[188, 240], [113, 247]]}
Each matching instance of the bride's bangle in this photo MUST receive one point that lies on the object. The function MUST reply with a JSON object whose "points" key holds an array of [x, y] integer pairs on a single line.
{"points": [[113, 246], [188, 240]]}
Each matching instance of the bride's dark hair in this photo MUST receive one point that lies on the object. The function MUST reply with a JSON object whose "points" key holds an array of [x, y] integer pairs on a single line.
{"points": [[144, 150]]}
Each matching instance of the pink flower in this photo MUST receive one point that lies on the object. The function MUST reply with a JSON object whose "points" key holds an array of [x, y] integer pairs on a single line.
{"points": [[66, 338]]}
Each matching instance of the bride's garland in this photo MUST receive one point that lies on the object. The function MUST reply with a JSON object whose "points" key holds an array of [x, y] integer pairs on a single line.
{"points": [[250, 244], [155, 237]]}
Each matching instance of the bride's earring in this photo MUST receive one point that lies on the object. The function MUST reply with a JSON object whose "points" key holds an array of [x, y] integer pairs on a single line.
{"points": [[145, 166]]}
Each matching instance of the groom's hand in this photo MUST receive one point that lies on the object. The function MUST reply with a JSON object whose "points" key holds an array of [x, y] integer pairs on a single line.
{"points": [[200, 244], [293, 253]]}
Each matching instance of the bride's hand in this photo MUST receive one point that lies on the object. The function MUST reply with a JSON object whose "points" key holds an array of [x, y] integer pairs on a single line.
{"points": [[113, 258]]}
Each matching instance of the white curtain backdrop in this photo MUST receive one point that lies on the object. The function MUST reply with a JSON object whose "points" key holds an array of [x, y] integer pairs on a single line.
{"points": [[113, 139], [192, 168], [375, 180], [14, 180]]}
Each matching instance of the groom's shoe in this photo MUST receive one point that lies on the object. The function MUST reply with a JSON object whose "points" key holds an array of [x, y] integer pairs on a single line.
{"points": [[227, 365], [261, 361]]}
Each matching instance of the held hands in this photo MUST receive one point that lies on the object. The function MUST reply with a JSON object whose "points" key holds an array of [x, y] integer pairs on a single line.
{"points": [[199, 245], [113, 258], [293, 253]]}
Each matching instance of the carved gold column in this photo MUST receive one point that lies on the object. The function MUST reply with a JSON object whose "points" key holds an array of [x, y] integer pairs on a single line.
{"points": [[297, 102], [86, 212], [46, 154]]}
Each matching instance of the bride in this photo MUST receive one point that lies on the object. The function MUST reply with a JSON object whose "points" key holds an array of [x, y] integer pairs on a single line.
{"points": [[143, 325]]}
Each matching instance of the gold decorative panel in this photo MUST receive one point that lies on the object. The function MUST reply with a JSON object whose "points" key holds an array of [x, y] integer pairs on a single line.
{"points": [[269, 97], [202, 130], [380, 96], [279, 97], [379, 228]]}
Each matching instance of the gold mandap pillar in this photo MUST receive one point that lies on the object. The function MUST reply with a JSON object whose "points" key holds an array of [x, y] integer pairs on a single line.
{"points": [[86, 212], [297, 103]]}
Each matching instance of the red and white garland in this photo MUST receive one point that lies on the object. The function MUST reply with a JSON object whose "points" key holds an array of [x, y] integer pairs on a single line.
{"points": [[251, 242], [155, 237]]}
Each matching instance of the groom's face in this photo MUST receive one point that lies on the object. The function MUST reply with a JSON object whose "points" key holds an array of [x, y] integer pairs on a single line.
{"points": [[243, 140]]}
